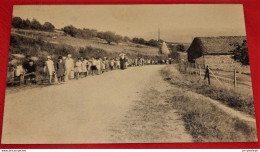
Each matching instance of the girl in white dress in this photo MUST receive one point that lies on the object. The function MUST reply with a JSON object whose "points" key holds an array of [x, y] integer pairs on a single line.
{"points": [[78, 68], [84, 67], [98, 65], [49, 68]]}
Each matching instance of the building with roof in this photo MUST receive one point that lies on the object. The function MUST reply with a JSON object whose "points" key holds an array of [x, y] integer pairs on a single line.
{"points": [[216, 52]]}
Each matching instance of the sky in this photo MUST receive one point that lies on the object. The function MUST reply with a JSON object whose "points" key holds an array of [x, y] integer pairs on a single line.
{"points": [[143, 20]]}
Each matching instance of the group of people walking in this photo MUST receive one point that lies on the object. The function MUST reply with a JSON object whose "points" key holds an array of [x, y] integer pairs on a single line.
{"points": [[65, 68]]}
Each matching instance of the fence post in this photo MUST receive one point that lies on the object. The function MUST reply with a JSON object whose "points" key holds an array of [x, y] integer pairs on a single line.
{"points": [[200, 70], [196, 69], [235, 78], [185, 67]]}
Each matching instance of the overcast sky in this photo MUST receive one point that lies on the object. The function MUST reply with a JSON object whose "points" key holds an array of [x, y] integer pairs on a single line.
{"points": [[132, 20]]}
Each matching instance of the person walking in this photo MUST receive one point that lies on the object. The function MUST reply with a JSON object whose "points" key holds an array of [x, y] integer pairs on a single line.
{"points": [[30, 72], [106, 64], [98, 65], [49, 68], [103, 65], [84, 67], [93, 65], [122, 62], [60, 68], [69, 67], [78, 68], [207, 74], [64, 58], [136, 62], [117, 63], [112, 64]]}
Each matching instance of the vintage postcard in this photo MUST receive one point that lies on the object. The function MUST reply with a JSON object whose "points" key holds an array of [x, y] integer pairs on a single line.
{"points": [[128, 74]]}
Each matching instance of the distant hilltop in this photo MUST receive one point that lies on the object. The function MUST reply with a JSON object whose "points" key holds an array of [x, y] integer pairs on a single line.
{"points": [[187, 35]]}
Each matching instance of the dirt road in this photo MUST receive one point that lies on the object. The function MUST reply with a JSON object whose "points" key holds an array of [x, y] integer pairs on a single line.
{"points": [[118, 106]]}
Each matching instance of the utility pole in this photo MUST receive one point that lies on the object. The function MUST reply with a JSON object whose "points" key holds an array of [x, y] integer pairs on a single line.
{"points": [[158, 34], [159, 48]]}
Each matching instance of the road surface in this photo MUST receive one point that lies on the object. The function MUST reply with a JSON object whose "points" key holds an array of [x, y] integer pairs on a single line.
{"points": [[123, 106]]}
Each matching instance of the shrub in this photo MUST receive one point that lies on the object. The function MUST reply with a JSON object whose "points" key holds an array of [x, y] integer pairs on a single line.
{"points": [[90, 51], [47, 26], [36, 25], [71, 30]]}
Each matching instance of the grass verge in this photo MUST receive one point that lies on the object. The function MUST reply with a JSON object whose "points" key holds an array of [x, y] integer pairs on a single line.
{"points": [[239, 98], [206, 123]]}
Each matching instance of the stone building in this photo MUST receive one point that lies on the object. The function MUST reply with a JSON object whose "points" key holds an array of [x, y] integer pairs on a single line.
{"points": [[216, 52]]}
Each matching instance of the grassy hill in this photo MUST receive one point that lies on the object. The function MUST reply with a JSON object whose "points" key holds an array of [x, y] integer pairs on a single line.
{"points": [[39, 44], [60, 38]]}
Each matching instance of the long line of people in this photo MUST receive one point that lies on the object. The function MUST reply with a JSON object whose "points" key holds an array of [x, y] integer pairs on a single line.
{"points": [[65, 68]]}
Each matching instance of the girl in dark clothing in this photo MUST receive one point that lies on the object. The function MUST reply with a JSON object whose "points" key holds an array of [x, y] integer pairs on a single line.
{"points": [[60, 68], [122, 63]]}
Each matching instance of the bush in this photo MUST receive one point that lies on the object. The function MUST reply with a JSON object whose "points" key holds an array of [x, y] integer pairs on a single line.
{"points": [[151, 42], [241, 53], [109, 37], [90, 51], [36, 25], [47, 26], [70, 30]]}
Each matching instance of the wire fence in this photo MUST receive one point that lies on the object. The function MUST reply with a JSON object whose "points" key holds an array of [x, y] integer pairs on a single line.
{"points": [[221, 76]]}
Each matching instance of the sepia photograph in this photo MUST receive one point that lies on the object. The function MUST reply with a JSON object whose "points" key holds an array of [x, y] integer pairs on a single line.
{"points": [[161, 73]]}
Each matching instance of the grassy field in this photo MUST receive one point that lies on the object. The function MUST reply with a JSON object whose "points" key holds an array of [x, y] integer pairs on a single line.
{"points": [[203, 120], [61, 38], [238, 98]]}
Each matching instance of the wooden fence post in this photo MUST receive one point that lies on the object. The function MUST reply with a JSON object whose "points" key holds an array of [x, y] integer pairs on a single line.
{"points": [[235, 78], [185, 67], [196, 69], [200, 70]]}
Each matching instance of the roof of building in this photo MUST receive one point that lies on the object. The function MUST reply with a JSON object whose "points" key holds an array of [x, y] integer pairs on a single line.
{"points": [[216, 45]]}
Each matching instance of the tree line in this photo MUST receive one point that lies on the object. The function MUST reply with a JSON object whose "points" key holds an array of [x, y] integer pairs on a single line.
{"points": [[108, 36], [85, 33], [33, 24], [151, 42]]}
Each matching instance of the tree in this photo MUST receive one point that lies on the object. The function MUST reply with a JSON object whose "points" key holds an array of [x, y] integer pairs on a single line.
{"points": [[71, 30], [180, 48], [126, 39], [26, 24], [47, 26], [152, 42], [142, 41], [135, 40], [17, 22], [36, 25], [241, 53], [118, 38], [109, 37]]}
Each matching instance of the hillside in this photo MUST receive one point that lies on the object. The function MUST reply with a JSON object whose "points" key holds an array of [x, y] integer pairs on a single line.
{"points": [[59, 38]]}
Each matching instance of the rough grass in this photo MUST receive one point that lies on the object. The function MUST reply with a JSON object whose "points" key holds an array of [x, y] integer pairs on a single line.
{"points": [[239, 98], [94, 42], [206, 123]]}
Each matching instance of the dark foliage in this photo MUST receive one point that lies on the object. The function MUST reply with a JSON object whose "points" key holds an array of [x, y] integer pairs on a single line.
{"points": [[241, 53], [151, 42], [20, 23]]}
